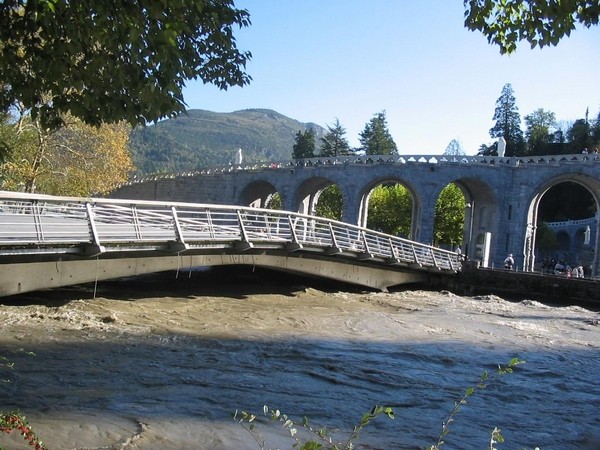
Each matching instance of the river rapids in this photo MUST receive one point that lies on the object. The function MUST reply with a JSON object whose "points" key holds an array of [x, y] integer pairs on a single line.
{"points": [[163, 362]]}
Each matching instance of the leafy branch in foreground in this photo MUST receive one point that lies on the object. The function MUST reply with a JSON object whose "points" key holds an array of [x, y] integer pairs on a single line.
{"points": [[247, 421], [14, 420], [496, 436], [325, 441]]}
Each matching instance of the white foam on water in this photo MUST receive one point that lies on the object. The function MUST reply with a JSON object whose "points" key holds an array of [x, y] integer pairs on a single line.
{"points": [[167, 372]]}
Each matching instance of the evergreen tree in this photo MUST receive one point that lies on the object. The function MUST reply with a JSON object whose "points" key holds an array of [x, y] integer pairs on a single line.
{"points": [[334, 142], [595, 134], [539, 123], [376, 139], [305, 144], [454, 148], [487, 150], [508, 122]]}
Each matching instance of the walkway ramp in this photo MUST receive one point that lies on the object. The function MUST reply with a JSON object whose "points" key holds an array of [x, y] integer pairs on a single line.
{"points": [[48, 242]]}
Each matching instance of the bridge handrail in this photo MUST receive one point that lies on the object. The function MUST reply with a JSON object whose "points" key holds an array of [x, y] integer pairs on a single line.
{"points": [[497, 161], [572, 223], [35, 223]]}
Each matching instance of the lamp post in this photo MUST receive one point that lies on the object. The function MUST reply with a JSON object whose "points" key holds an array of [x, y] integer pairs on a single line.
{"points": [[471, 207]]}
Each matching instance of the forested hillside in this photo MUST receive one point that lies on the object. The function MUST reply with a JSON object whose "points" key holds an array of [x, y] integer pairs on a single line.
{"points": [[204, 139]]}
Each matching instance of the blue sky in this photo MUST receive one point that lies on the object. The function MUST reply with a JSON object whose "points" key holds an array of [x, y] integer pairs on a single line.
{"points": [[322, 60]]}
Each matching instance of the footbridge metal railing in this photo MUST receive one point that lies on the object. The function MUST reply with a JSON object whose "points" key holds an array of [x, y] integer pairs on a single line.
{"points": [[38, 227]]}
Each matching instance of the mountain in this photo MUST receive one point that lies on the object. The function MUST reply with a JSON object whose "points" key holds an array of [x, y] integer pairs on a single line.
{"points": [[203, 139]]}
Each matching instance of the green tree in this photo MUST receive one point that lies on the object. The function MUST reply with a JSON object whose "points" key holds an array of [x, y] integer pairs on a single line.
{"points": [[508, 122], [538, 134], [330, 203], [580, 135], [305, 144], [376, 139], [595, 134], [390, 210], [545, 240], [274, 201], [454, 148], [5, 136], [334, 143], [105, 62], [539, 22], [448, 224], [485, 149]]}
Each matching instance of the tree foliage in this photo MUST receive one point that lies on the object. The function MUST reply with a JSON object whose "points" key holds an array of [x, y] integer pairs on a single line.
{"points": [[305, 144], [539, 22], [106, 62], [77, 159], [330, 203], [390, 210], [508, 122], [583, 135], [274, 201], [376, 139], [334, 143], [454, 148], [544, 135], [545, 239], [449, 217], [6, 136], [595, 131], [321, 438], [539, 125]]}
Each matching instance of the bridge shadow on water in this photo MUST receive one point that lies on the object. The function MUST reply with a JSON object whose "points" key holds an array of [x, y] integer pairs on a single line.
{"points": [[178, 382], [227, 281]]}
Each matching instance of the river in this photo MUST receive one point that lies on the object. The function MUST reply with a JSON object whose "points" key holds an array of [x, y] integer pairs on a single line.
{"points": [[164, 361]]}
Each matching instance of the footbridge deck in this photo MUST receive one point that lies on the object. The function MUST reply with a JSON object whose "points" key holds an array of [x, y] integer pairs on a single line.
{"points": [[49, 241]]}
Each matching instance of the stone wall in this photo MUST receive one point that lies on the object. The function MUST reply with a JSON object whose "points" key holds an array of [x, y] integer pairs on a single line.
{"points": [[548, 289]]}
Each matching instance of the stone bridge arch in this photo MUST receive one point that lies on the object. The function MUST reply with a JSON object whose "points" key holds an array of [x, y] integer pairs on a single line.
{"points": [[591, 184], [306, 195], [365, 195], [256, 194]]}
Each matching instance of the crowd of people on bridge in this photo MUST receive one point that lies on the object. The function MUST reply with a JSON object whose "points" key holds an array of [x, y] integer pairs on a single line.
{"points": [[562, 268], [559, 268]]}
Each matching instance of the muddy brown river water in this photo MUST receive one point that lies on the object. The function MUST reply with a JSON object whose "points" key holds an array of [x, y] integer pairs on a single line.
{"points": [[163, 362]]}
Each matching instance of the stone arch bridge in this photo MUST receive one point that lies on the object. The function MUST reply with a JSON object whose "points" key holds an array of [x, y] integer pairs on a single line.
{"points": [[502, 193]]}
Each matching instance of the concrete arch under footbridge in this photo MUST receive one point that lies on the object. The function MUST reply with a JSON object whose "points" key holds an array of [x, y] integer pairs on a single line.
{"points": [[502, 193]]}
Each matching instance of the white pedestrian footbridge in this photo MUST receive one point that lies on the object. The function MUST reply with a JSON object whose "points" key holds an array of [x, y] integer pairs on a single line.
{"points": [[49, 242]]}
